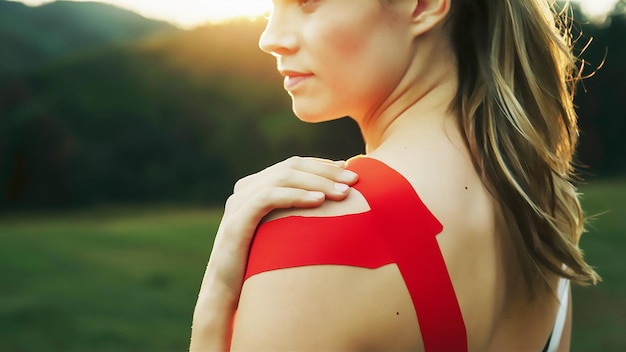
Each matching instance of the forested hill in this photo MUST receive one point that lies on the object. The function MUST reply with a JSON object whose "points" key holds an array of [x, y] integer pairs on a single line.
{"points": [[176, 118], [31, 36], [180, 116]]}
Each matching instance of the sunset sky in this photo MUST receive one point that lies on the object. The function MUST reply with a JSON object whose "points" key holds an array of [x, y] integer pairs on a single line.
{"points": [[189, 13]]}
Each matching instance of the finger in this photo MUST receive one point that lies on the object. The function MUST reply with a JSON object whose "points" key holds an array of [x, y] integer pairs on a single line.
{"points": [[331, 170], [304, 190], [251, 208], [283, 198], [339, 163], [313, 158], [291, 178], [325, 168]]}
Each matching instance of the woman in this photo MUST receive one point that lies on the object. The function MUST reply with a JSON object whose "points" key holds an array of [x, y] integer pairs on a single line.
{"points": [[459, 228]]}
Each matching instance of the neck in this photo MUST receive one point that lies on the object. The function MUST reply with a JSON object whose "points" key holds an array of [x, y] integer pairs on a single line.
{"points": [[421, 101]]}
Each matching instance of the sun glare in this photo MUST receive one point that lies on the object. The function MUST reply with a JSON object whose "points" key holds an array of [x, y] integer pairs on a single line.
{"points": [[190, 13], [597, 9], [187, 13]]}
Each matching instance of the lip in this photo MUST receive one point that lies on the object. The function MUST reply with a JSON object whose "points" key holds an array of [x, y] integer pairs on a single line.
{"points": [[293, 79]]}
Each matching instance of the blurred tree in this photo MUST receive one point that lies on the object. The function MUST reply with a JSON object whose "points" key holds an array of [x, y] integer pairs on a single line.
{"points": [[602, 96], [181, 117], [31, 36]]}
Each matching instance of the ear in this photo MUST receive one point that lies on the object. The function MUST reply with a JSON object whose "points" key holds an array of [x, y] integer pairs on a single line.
{"points": [[427, 14]]}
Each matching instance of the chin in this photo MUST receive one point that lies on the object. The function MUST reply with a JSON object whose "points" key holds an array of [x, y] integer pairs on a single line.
{"points": [[315, 118], [314, 115], [309, 118]]}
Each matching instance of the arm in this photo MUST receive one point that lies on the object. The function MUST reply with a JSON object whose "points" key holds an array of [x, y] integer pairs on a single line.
{"points": [[296, 182], [326, 308]]}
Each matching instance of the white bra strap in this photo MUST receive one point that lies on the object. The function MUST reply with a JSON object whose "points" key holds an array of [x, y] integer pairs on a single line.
{"points": [[561, 315]]}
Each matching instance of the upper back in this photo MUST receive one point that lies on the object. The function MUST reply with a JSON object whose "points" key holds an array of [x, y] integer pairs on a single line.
{"points": [[477, 245], [349, 307]]}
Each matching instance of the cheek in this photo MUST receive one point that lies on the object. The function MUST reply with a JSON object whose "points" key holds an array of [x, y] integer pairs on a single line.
{"points": [[358, 64], [362, 58], [347, 41], [342, 42]]}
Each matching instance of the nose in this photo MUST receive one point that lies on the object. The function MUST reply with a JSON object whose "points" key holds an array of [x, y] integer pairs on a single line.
{"points": [[279, 38]]}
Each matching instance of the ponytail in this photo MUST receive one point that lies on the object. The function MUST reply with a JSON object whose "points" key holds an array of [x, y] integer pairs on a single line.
{"points": [[517, 76]]}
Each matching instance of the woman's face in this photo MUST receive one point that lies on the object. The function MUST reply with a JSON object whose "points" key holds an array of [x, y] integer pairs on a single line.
{"points": [[339, 57]]}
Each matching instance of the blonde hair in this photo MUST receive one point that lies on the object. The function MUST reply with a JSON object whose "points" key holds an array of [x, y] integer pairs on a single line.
{"points": [[517, 76]]}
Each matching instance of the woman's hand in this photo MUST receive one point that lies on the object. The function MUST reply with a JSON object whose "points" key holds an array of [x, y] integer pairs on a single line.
{"points": [[296, 182]]}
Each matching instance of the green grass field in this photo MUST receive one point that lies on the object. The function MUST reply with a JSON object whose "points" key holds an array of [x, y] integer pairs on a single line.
{"points": [[126, 279], [102, 280], [600, 312]]}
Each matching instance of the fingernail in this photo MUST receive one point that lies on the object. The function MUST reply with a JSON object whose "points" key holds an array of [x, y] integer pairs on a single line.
{"points": [[315, 195], [347, 176], [341, 187], [341, 163]]}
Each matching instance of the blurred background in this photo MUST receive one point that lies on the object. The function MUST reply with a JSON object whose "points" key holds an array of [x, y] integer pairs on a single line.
{"points": [[124, 124]]}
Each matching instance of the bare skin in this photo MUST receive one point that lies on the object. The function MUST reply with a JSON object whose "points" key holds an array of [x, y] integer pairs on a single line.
{"points": [[297, 182], [410, 128], [351, 308]]}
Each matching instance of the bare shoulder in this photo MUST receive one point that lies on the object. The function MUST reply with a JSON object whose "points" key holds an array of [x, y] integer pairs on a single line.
{"points": [[326, 307], [330, 307]]}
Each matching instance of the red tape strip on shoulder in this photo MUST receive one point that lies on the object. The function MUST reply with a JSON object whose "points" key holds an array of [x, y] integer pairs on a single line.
{"points": [[399, 229]]}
